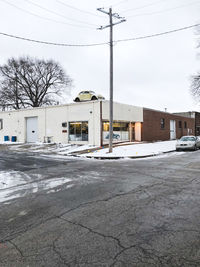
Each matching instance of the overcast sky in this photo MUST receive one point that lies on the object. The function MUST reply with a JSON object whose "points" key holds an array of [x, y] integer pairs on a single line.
{"points": [[152, 73]]}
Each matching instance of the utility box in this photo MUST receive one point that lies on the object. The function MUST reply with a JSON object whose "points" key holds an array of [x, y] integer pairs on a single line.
{"points": [[6, 138]]}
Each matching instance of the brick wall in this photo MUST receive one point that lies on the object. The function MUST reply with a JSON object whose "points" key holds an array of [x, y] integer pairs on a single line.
{"points": [[151, 128], [197, 122]]}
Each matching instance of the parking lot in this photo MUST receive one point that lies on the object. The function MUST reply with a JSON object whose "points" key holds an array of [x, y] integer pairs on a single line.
{"points": [[80, 212]]}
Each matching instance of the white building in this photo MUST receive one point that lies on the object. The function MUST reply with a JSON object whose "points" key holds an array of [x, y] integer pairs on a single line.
{"points": [[76, 123]]}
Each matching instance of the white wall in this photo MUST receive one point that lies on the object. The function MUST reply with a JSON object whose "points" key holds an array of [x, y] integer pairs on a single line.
{"points": [[50, 120], [14, 123], [123, 112]]}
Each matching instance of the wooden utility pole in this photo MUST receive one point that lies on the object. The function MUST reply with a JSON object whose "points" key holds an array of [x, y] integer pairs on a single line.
{"points": [[111, 24]]}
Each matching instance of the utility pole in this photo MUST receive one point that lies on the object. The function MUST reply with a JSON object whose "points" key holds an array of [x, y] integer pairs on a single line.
{"points": [[111, 24]]}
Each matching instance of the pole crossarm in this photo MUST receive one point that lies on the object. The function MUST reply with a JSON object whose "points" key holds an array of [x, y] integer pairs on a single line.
{"points": [[113, 24]]}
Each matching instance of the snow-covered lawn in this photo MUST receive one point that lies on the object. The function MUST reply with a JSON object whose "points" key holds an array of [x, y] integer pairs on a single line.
{"points": [[135, 150]]}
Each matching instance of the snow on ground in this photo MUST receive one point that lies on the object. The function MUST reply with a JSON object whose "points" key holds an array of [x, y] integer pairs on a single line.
{"points": [[15, 184], [78, 149], [48, 148], [135, 150], [9, 143]]}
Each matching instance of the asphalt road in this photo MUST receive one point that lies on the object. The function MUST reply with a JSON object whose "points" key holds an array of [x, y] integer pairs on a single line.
{"points": [[108, 213]]}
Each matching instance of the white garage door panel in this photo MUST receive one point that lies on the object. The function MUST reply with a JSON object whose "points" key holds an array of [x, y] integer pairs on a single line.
{"points": [[31, 129]]}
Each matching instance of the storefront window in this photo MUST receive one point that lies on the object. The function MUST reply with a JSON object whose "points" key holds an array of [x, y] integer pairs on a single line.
{"points": [[120, 131], [84, 131], [106, 126], [78, 131], [116, 126]]}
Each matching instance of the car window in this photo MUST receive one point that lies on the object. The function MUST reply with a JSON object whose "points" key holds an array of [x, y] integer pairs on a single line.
{"points": [[86, 92], [188, 138], [92, 92]]}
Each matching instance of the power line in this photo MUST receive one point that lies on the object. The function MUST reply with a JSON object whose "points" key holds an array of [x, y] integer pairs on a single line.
{"points": [[141, 7], [118, 3], [103, 43], [51, 43], [44, 18], [58, 14], [157, 34], [164, 10], [78, 9]]}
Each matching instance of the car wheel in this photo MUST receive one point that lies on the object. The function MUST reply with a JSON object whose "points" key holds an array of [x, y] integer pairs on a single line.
{"points": [[94, 98], [195, 148], [77, 100], [177, 149]]}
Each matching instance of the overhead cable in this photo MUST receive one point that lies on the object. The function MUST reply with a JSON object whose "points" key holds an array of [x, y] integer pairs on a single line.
{"points": [[78, 9], [58, 14], [103, 43], [157, 34], [45, 18], [51, 43], [141, 7], [163, 10], [119, 3]]}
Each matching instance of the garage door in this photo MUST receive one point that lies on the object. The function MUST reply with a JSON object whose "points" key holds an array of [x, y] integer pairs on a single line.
{"points": [[31, 129]]}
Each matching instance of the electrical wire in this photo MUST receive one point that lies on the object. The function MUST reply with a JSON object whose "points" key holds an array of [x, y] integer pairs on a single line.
{"points": [[78, 9], [158, 34], [141, 7], [44, 18], [51, 43], [164, 10], [58, 14], [118, 3], [104, 43]]}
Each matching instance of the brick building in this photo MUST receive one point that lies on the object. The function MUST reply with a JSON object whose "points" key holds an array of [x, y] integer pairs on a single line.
{"points": [[195, 115], [158, 125]]}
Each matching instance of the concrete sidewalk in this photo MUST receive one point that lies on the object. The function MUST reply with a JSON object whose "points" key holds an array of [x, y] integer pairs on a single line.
{"points": [[133, 151]]}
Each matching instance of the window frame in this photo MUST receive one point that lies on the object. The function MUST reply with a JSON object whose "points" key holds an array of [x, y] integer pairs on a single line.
{"points": [[83, 131], [1, 124], [162, 123]]}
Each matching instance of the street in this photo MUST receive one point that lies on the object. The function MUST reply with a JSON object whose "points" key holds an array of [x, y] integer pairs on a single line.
{"points": [[84, 212]]}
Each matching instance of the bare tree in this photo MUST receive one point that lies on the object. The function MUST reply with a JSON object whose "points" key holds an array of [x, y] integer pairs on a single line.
{"points": [[195, 79], [195, 86], [26, 82]]}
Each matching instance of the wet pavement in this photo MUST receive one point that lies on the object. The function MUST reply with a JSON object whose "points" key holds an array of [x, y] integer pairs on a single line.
{"points": [[72, 212]]}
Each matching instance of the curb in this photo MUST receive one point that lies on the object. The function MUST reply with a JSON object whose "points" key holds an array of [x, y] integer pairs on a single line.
{"points": [[128, 157]]}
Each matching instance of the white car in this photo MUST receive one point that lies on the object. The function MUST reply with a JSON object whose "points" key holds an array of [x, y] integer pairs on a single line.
{"points": [[188, 143], [88, 96]]}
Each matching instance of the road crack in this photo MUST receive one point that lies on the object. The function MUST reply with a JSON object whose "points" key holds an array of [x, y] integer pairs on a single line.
{"points": [[93, 231], [17, 248]]}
